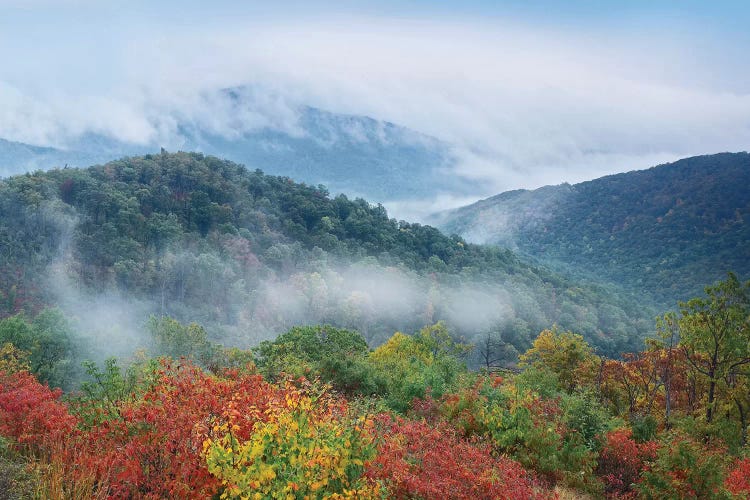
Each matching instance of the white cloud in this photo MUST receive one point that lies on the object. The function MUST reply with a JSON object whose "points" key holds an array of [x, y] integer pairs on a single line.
{"points": [[524, 105]]}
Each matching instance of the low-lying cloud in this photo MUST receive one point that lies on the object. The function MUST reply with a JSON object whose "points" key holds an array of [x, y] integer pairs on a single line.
{"points": [[524, 105]]}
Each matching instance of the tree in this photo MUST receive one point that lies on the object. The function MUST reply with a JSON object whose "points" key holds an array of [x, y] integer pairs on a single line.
{"points": [[413, 366], [668, 331], [493, 351], [47, 339], [715, 337], [171, 338], [305, 349], [566, 355]]}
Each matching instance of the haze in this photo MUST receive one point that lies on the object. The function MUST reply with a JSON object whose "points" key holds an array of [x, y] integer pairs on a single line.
{"points": [[524, 101]]}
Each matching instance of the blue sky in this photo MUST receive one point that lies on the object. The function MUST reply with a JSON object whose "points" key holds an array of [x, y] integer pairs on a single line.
{"points": [[529, 93]]}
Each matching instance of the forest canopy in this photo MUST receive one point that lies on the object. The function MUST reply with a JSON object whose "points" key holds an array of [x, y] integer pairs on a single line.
{"points": [[249, 255]]}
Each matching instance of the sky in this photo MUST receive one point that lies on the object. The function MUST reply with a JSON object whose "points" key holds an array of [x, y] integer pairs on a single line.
{"points": [[528, 93]]}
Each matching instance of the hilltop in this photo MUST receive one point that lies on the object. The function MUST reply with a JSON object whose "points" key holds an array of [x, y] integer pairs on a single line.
{"points": [[663, 232]]}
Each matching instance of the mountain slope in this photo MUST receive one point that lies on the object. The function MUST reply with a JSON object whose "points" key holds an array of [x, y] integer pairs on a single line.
{"points": [[356, 155], [666, 231], [249, 255], [16, 157]]}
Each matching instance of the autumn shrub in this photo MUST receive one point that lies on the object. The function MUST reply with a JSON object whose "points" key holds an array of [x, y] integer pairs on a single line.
{"points": [[32, 414], [108, 388], [412, 366], [416, 460], [685, 467], [532, 430], [148, 447], [154, 450], [463, 408], [308, 447], [38, 426], [622, 460], [738, 478]]}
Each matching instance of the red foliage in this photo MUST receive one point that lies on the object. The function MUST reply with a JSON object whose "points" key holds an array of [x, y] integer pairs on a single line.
{"points": [[154, 449], [417, 460], [738, 479], [31, 413], [622, 460], [427, 408]]}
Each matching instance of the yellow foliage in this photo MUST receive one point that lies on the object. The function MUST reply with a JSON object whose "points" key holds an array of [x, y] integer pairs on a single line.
{"points": [[565, 354], [302, 450], [13, 359]]}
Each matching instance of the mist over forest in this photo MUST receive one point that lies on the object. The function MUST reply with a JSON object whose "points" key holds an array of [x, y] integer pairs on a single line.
{"points": [[248, 256], [372, 250]]}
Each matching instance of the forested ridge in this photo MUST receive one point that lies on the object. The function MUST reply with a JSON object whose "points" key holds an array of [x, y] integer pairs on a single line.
{"points": [[248, 255], [307, 144], [663, 232]]}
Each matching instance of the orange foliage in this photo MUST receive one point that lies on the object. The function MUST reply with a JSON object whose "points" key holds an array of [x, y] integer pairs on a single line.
{"points": [[738, 479], [622, 460], [418, 460]]}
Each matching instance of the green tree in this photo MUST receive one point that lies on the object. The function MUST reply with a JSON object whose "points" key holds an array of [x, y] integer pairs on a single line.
{"points": [[715, 336], [414, 366], [172, 338], [336, 355], [48, 340]]}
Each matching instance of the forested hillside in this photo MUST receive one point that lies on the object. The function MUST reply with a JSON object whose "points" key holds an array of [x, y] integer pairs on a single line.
{"points": [[249, 255], [663, 232]]}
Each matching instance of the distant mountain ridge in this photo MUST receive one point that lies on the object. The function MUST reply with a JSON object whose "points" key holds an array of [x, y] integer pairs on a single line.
{"points": [[356, 155], [17, 157], [665, 231]]}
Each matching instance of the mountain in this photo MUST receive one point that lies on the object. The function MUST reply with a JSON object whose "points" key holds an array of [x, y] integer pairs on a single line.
{"points": [[356, 155], [666, 231], [17, 157], [249, 255]]}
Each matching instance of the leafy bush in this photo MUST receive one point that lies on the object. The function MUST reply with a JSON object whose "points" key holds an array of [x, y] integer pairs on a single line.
{"points": [[415, 460], [622, 460], [533, 431], [738, 478], [305, 447], [685, 468], [415, 366]]}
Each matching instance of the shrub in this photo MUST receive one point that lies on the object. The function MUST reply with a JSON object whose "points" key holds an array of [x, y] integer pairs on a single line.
{"points": [[622, 460], [738, 478], [416, 460], [685, 468]]}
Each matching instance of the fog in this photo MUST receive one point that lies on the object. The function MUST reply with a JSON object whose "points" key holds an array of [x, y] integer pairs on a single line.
{"points": [[373, 299], [521, 102]]}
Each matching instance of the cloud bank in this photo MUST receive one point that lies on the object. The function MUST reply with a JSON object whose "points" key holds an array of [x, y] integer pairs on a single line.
{"points": [[523, 104]]}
